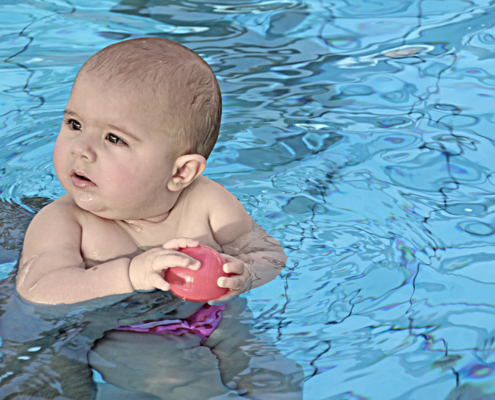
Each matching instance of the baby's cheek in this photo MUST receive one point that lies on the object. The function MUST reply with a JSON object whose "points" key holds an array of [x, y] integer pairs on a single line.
{"points": [[58, 161], [124, 174], [123, 188]]}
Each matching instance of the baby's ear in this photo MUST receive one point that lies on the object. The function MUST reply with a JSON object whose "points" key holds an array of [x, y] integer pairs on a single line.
{"points": [[186, 169]]}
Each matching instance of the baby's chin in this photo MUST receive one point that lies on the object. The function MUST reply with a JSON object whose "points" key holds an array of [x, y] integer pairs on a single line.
{"points": [[91, 205], [88, 202]]}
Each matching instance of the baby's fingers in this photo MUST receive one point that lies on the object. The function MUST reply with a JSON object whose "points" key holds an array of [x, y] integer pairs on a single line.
{"points": [[235, 267], [158, 282], [180, 243], [174, 259], [233, 283]]}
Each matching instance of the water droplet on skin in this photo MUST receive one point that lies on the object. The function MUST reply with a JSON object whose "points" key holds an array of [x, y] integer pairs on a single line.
{"points": [[133, 226], [85, 197]]}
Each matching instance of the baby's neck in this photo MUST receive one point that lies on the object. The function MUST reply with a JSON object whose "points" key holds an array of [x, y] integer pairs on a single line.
{"points": [[156, 220], [140, 226]]}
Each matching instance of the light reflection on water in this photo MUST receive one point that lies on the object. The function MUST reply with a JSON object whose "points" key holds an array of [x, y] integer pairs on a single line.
{"points": [[358, 133]]}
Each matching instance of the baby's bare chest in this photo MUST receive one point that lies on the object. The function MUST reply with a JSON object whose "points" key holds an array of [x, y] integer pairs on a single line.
{"points": [[103, 240]]}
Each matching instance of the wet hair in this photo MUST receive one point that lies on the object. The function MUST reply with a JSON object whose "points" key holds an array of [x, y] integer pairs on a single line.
{"points": [[183, 85]]}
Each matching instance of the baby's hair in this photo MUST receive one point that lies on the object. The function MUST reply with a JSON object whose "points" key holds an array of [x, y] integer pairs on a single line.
{"points": [[173, 73]]}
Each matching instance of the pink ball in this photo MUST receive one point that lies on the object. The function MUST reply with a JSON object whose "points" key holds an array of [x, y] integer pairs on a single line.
{"points": [[198, 286]]}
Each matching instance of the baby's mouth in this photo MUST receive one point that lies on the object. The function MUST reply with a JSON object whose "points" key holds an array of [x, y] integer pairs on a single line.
{"points": [[82, 177], [81, 181]]}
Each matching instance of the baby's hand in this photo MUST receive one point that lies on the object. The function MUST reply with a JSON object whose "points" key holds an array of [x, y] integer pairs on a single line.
{"points": [[146, 270], [238, 283]]}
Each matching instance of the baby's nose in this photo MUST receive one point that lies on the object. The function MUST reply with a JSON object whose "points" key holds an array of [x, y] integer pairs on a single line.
{"points": [[82, 147]]}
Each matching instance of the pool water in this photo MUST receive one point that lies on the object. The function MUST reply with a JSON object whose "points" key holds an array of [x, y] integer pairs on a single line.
{"points": [[357, 132]]}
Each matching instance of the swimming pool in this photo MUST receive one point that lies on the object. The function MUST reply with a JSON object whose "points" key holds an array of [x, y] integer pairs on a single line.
{"points": [[358, 133]]}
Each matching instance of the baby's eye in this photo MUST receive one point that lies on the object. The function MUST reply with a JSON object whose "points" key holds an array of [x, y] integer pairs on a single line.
{"points": [[74, 125], [115, 139]]}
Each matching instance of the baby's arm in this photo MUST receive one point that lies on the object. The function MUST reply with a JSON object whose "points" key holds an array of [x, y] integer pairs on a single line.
{"points": [[52, 270], [252, 255], [263, 256]]}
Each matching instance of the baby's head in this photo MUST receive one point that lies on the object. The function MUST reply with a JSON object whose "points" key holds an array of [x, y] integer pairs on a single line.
{"points": [[142, 118], [179, 85]]}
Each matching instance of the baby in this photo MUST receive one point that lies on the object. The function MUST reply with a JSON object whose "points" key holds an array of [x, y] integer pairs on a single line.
{"points": [[142, 118]]}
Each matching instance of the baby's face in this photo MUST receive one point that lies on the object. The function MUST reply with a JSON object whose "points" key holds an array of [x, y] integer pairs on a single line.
{"points": [[112, 154]]}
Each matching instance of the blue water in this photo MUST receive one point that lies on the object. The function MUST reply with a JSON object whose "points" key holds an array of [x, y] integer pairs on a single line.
{"points": [[358, 133]]}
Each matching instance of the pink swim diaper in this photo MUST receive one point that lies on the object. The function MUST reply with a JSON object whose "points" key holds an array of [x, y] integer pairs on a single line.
{"points": [[202, 323]]}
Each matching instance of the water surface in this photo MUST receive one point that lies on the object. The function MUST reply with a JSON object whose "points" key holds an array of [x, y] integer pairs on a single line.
{"points": [[358, 133]]}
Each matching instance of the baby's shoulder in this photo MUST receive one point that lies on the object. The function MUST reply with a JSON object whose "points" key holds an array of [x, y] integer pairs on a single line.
{"points": [[63, 211], [62, 208], [207, 193], [55, 226], [227, 217], [203, 185]]}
